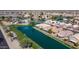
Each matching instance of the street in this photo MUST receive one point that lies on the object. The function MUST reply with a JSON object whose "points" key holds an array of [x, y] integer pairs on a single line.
{"points": [[3, 44]]}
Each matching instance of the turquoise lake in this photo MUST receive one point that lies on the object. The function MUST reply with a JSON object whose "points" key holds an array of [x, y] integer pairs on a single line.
{"points": [[41, 39]]}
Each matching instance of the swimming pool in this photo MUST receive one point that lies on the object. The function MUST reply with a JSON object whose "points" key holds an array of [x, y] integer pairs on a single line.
{"points": [[41, 39]]}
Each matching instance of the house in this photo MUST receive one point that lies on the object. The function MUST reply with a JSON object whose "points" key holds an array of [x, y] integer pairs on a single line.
{"points": [[74, 38], [26, 15], [75, 26], [68, 25], [65, 33], [44, 26], [54, 29], [48, 22], [23, 22]]}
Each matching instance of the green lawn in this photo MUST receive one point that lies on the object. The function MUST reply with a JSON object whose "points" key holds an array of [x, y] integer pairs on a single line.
{"points": [[23, 39]]}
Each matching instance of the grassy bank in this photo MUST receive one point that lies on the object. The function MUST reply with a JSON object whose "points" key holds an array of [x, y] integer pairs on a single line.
{"points": [[23, 39]]}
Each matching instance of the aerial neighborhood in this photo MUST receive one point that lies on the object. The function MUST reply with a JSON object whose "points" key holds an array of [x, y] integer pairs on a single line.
{"points": [[39, 29]]}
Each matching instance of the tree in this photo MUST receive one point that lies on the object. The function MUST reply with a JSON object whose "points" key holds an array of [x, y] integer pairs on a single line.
{"points": [[50, 31], [59, 18], [32, 23], [3, 17], [53, 17]]}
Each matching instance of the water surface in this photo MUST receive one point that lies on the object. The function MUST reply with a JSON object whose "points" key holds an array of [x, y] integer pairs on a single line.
{"points": [[41, 39]]}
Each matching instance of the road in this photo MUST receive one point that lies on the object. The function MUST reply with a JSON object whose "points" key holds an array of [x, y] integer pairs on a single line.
{"points": [[3, 43]]}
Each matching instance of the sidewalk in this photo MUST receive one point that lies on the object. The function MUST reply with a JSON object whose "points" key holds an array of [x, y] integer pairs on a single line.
{"points": [[12, 44]]}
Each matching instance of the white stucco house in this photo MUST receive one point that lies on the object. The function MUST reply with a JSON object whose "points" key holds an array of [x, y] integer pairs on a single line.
{"points": [[43, 26]]}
